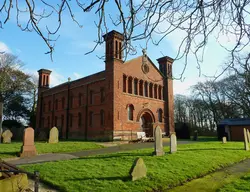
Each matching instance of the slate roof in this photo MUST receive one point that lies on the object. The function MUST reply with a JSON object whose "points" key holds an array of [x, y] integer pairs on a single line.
{"points": [[236, 121]]}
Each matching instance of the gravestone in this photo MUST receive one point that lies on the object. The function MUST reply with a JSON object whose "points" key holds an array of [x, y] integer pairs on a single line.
{"points": [[245, 140], [7, 134], [28, 149], [42, 136], [195, 135], [248, 136], [224, 139], [158, 142], [173, 143], [138, 169], [53, 135]]}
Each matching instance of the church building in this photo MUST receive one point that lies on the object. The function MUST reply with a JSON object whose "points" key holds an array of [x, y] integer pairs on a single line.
{"points": [[126, 98]]}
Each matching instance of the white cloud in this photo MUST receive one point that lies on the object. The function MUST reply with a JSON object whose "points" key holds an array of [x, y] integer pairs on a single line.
{"points": [[77, 75], [4, 47], [56, 78], [183, 87]]}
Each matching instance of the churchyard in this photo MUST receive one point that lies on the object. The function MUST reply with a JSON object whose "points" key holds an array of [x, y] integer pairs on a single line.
{"points": [[152, 169]]}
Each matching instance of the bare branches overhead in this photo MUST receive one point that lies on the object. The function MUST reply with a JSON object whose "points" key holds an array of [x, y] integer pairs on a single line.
{"points": [[149, 20]]}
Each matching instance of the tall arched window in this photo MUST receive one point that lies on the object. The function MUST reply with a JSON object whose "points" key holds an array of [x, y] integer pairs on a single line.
{"points": [[160, 115], [135, 86], [130, 112], [102, 118], [124, 83], [70, 120], [80, 99], [130, 85], [151, 90], [146, 89], [63, 103], [141, 88], [56, 104], [159, 92], [155, 91]]}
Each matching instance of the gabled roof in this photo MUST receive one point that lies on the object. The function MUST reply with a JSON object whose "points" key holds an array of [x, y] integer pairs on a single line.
{"points": [[236, 121], [152, 63]]}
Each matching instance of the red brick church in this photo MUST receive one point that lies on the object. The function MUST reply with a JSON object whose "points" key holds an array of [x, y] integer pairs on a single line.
{"points": [[126, 98]]}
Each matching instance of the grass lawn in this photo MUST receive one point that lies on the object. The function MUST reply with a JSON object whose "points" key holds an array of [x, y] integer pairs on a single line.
{"points": [[239, 185], [110, 172], [11, 150]]}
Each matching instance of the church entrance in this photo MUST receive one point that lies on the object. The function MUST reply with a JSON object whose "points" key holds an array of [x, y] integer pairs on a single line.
{"points": [[147, 124]]}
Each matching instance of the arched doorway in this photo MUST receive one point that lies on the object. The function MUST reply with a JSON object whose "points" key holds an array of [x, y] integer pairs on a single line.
{"points": [[146, 122]]}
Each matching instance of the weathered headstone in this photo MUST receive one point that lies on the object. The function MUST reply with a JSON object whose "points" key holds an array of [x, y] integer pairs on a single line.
{"points": [[248, 136], [245, 140], [42, 136], [7, 134], [195, 135], [158, 142], [138, 169], [173, 143], [28, 149], [224, 139], [53, 135]]}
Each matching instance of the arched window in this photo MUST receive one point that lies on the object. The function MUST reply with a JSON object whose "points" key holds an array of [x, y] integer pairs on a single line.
{"points": [[141, 88], [91, 97], [102, 95], [151, 90], [130, 112], [63, 103], [49, 105], [135, 86], [62, 121], [160, 115], [102, 117], [56, 104], [146, 89], [130, 85], [159, 92], [70, 120], [155, 91], [79, 119], [80, 99], [124, 83]]}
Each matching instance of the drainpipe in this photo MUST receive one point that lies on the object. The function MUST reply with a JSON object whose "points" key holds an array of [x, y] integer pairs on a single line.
{"points": [[67, 111]]}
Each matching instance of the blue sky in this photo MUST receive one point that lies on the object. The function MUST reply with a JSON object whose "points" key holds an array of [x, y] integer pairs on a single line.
{"points": [[69, 59]]}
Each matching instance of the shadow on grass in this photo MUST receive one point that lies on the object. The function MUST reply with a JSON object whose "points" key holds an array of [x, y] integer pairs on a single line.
{"points": [[209, 149], [9, 154], [115, 155], [124, 178]]}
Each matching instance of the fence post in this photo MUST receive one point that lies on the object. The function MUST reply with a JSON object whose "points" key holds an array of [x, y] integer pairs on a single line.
{"points": [[36, 173]]}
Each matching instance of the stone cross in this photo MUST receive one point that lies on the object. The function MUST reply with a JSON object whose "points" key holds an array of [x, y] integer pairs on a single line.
{"points": [[245, 140], [224, 139], [7, 136], [158, 142], [53, 135], [248, 136], [138, 169], [173, 143], [28, 149]]}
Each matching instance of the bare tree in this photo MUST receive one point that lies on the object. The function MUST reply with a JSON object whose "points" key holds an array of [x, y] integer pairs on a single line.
{"points": [[141, 20]]}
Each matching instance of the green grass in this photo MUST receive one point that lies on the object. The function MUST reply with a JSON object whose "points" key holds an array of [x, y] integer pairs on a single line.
{"points": [[110, 172], [12, 149], [239, 185]]}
